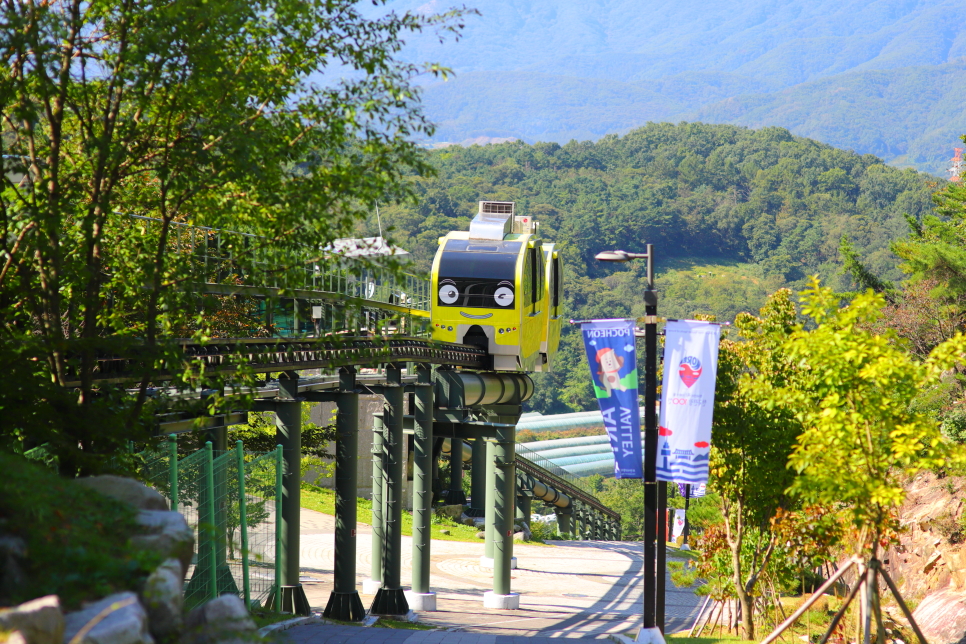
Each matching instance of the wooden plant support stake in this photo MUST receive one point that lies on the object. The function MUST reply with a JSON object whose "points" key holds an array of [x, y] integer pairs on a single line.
{"points": [[877, 606], [811, 600], [902, 605], [865, 617], [838, 616], [700, 614]]}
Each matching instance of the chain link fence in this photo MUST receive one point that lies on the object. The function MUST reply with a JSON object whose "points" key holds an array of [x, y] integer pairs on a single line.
{"points": [[232, 501]]}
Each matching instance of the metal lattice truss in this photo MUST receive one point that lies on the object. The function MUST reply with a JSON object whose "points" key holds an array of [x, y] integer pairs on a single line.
{"points": [[262, 355]]}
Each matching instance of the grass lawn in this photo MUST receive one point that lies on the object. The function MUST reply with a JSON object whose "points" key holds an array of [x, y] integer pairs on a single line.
{"points": [[724, 639], [323, 500], [264, 618], [403, 626]]}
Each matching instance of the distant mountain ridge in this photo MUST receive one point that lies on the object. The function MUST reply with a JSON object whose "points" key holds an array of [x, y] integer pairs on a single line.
{"points": [[546, 70]]}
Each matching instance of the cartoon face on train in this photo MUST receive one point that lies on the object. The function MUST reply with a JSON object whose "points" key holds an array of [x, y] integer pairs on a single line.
{"points": [[490, 289]]}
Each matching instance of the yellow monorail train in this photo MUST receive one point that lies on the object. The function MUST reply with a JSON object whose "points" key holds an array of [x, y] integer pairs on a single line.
{"points": [[498, 287]]}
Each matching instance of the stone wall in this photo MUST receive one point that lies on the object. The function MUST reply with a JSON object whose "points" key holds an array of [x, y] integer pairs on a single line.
{"points": [[929, 564]]}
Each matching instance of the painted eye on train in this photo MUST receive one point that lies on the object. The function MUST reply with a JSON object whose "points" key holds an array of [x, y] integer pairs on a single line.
{"points": [[448, 294], [504, 295]]}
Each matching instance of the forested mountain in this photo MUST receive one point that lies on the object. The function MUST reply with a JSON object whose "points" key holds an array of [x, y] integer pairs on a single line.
{"points": [[733, 213], [546, 70]]}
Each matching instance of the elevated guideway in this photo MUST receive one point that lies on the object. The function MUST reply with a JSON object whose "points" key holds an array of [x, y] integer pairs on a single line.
{"points": [[338, 320]]}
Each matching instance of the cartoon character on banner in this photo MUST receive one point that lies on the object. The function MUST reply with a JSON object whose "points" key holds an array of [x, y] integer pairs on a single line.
{"points": [[609, 373]]}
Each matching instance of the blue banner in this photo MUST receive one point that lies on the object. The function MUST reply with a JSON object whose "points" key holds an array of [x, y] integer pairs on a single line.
{"points": [[612, 358]]}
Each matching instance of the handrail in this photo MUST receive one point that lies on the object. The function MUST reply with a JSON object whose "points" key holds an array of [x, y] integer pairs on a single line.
{"points": [[569, 487]]}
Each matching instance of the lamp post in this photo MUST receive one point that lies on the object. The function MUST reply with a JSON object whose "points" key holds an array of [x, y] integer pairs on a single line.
{"points": [[653, 612]]}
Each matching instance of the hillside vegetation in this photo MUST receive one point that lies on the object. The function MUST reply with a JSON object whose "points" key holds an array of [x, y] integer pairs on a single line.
{"points": [[733, 213]]}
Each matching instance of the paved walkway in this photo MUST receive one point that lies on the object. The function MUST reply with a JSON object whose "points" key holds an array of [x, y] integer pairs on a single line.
{"points": [[570, 589]]}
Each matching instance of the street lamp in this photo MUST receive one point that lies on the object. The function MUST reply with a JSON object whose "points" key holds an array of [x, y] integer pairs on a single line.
{"points": [[653, 625]]}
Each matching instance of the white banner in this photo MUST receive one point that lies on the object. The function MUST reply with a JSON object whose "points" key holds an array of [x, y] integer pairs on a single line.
{"points": [[687, 400], [678, 528]]}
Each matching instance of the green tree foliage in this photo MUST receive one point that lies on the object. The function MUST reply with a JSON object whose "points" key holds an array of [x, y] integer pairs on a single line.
{"points": [[767, 206], [750, 451], [852, 395], [278, 118]]}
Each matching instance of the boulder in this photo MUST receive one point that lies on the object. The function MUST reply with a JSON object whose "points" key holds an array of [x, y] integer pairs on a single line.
{"points": [[134, 493], [39, 621], [470, 521], [168, 534], [453, 512], [942, 616], [222, 619], [13, 552], [116, 619], [481, 535], [162, 596]]}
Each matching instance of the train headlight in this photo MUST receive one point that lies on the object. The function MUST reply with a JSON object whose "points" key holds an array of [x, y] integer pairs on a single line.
{"points": [[448, 294], [503, 296]]}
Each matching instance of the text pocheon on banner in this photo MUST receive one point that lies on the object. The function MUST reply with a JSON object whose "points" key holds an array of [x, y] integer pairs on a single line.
{"points": [[687, 401], [612, 357]]}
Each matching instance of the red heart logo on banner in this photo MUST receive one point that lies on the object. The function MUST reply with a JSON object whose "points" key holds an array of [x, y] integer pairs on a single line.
{"points": [[689, 375]]}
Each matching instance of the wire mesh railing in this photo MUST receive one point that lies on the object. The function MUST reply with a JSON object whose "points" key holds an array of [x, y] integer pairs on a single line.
{"points": [[542, 468], [231, 500], [225, 257]]}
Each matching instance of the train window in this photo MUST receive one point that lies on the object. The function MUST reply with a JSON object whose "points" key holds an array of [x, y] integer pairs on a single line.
{"points": [[555, 285], [480, 275], [533, 265]]}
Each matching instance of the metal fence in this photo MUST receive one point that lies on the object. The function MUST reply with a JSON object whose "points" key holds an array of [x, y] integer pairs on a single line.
{"points": [[225, 257], [231, 499]]}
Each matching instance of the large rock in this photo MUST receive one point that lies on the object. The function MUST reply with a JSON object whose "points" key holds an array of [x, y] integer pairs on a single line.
{"points": [[220, 620], [454, 512], [168, 534], [13, 553], [942, 616], [162, 596], [39, 621], [132, 492], [116, 619]]}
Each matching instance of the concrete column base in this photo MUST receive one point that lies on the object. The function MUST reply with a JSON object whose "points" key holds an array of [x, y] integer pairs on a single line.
{"points": [[511, 601], [650, 636], [487, 562], [371, 586], [421, 601]]}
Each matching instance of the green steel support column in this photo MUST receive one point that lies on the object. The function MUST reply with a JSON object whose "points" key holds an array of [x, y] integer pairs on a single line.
{"points": [[490, 512], [391, 599], [344, 603], [420, 597], [173, 470], [372, 585], [243, 522], [478, 474], [456, 496], [288, 432], [564, 523], [504, 493], [279, 483], [524, 508]]}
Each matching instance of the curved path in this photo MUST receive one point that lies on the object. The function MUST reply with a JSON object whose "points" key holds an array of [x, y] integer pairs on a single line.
{"points": [[572, 589]]}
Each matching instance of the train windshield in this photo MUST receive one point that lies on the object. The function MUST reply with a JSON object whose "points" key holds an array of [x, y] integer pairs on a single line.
{"points": [[477, 273]]}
